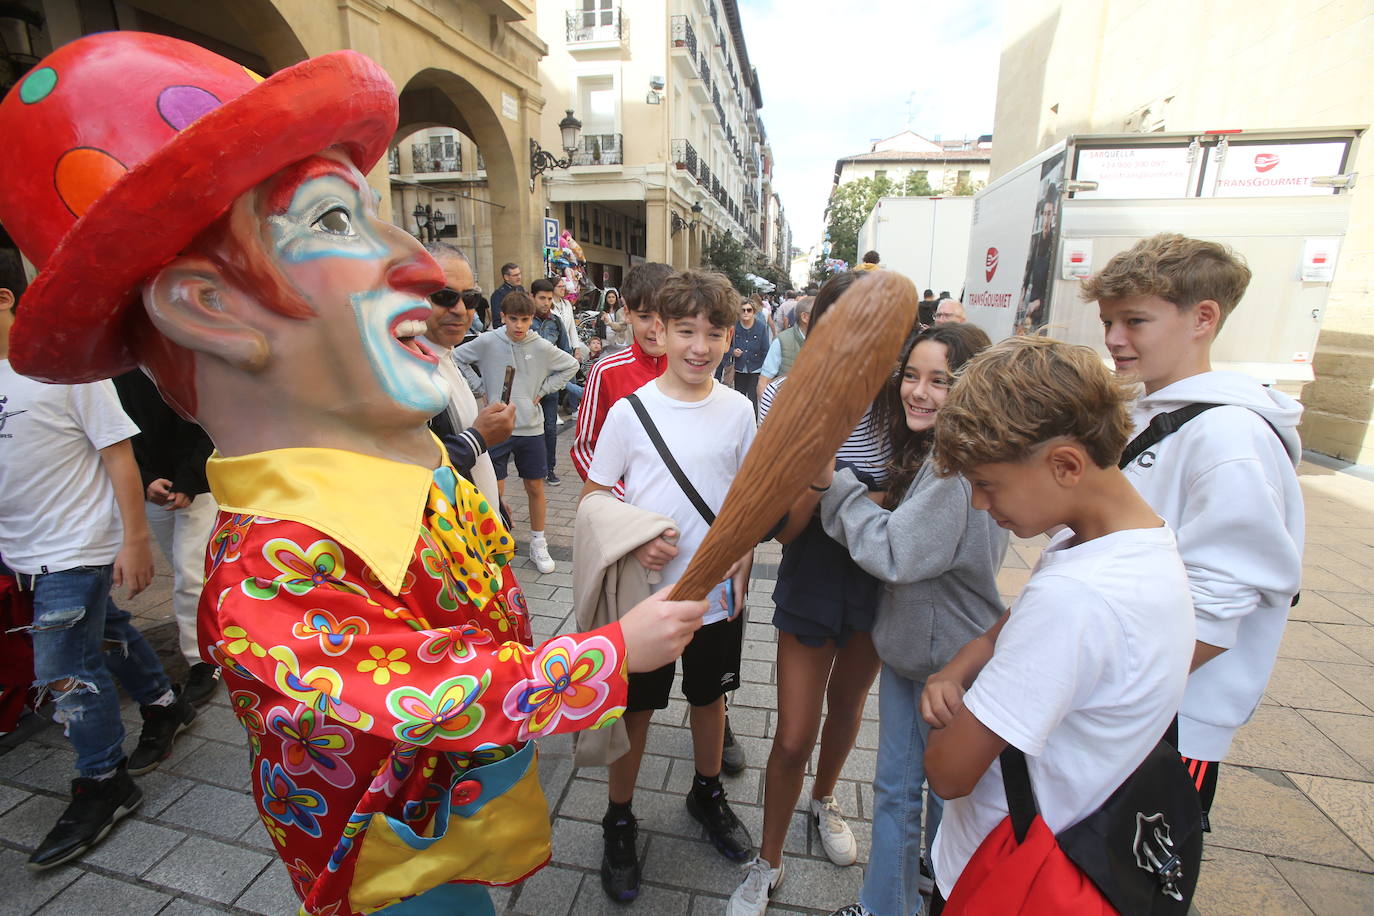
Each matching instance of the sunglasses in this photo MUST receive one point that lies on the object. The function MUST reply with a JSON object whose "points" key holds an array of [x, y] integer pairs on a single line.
{"points": [[447, 298], [746, 310]]}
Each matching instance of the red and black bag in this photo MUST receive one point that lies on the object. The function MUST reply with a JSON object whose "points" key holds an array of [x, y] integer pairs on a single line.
{"points": [[1136, 855]]}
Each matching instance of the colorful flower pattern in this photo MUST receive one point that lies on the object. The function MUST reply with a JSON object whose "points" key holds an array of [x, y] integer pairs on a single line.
{"points": [[358, 702]]}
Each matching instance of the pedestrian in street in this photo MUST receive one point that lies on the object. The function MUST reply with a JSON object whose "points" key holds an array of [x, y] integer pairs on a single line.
{"points": [[541, 371], [510, 282], [550, 326], [171, 452], [748, 349], [950, 311], [824, 605], [72, 528], [665, 423], [467, 433], [938, 593], [1225, 480]]}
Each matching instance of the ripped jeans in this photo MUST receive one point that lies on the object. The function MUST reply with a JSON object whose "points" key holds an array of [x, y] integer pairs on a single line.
{"points": [[79, 633]]}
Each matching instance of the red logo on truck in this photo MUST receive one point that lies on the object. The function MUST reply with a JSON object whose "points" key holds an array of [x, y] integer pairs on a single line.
{"points": [[991, 263], [1265, 161]]}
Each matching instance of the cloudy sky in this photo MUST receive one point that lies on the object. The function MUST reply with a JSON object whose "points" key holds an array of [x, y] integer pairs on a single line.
{"points": [[836, 76]]}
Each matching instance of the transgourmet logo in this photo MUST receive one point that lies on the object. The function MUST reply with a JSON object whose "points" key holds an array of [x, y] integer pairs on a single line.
{"points": [[991, 263], [1265, 161]]}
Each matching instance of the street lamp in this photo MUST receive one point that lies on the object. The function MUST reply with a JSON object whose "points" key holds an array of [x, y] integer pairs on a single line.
{"points": [[421, 215], [543, 161], [678, 223], [429, 222]]}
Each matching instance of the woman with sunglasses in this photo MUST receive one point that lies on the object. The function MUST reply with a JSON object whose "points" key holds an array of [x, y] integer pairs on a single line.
{"points": [[749, 348]]}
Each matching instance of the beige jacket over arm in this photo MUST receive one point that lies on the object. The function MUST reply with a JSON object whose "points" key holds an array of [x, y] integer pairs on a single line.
{"points": [[608, 581]]}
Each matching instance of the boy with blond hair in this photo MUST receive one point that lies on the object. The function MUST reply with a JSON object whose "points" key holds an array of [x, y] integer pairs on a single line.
{"points": [[704, 428], [1085, 672], [1225, 480]]}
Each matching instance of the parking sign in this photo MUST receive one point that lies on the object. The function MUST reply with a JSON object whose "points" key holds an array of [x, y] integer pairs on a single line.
{"points": [[550, 232]]}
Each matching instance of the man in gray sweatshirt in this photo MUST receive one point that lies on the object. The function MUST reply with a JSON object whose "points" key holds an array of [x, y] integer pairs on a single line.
{"points": [[541, 370]]}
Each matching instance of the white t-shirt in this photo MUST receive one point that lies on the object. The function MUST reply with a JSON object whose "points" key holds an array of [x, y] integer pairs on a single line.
{"points": [[708, 438], [57, 505], [1087, 675]]}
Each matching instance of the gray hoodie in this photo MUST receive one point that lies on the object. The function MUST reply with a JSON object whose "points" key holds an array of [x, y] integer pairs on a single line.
{"points": [[939, 558], [540, 369]]}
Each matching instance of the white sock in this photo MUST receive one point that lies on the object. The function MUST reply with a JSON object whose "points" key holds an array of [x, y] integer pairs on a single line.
{"points": [[536, 535], [167, 699]]}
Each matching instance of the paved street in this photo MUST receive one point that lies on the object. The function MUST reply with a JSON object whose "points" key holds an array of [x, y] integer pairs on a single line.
{"points": [[1294, 818]]}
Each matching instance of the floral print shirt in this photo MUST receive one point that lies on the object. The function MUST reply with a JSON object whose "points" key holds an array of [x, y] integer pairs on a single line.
{"points": [[362, 699]]}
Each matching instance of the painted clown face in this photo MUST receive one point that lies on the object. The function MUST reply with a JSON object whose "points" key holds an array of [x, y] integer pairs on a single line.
{"points": [[367, 283]]}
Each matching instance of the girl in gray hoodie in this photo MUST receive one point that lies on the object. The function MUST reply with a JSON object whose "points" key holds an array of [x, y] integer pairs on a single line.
{"points": [[938, 558]]}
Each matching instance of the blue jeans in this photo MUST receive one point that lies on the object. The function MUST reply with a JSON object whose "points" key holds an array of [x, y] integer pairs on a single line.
{"points": [[81, 634], [890, 882], [575, 392], [550, 408]]}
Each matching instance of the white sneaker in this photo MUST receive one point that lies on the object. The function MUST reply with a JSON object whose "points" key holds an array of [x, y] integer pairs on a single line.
{"points": [[539, 553], [751, 897], [836, 836]]}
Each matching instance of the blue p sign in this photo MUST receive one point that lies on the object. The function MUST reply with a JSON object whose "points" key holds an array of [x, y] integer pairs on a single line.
{"points": [[550, 232]]}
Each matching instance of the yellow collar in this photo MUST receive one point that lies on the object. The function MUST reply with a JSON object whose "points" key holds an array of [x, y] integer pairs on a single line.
{"points": [[372, 506]]}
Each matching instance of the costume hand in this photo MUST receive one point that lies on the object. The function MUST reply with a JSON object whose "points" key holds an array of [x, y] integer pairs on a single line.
{"points": [[495, 423], [133, 565], [942, 699], [657, 553], [159, 491], [657, 630], [178, 501]]}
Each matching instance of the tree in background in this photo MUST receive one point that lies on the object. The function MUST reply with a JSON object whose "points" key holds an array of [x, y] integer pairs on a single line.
{"points": [[917, 185], [726, 254], [850, 205], [961, 187]]}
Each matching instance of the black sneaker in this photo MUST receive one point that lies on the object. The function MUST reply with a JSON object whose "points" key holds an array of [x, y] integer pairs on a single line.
{"points": [[727, 832], [552, 479], [97, 804], [201, 683], [732, 754], [161, 725], [620, 860]]}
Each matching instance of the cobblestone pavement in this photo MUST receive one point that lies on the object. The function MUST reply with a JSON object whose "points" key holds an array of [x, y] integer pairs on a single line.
{"points": [[1294, 815]]}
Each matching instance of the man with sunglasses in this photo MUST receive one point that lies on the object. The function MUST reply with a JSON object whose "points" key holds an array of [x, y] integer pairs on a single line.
{"points": [[466, 432]]}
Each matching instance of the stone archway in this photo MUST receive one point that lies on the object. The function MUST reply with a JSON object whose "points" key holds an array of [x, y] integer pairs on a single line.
{"points": [[434, 97]]}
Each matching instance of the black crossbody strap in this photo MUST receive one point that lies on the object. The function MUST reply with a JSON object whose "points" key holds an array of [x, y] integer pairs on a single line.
{"points": [[1020, 795], [669, 461], [1162, 425]]}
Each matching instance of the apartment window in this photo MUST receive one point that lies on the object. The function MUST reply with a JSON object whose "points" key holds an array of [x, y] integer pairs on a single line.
{"points": [[583, 225], [597, 104], [596, 225], [568, 217], [880, 174], [963, 176], [597, 12], [922, 175]]}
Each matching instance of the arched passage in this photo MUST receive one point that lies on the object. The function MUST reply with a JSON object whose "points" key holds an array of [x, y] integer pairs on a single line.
{"points": [[434, 97]]}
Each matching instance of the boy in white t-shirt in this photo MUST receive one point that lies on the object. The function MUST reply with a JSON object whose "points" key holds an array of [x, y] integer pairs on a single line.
{"points": [[1086, 671], [71, 527], [706, 428], [1225, 481]]}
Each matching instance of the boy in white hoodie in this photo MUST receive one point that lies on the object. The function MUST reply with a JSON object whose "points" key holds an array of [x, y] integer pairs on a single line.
{"points": [[1224, 480]]}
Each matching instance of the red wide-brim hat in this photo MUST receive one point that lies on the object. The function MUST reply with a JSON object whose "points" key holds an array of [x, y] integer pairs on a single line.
{"points": [[121, 147]]}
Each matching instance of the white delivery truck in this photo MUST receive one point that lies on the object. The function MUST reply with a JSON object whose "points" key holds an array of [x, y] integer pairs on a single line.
{"points": [[1280, 198], [925, 238]]}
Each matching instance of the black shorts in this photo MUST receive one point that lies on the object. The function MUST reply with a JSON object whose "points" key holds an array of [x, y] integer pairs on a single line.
{"points": [[1203, 773], [531, 457], [710, 668]]}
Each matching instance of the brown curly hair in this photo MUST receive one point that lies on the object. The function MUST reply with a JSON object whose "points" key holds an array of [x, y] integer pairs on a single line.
{"points": [[1027, 390], [1175, 268]]}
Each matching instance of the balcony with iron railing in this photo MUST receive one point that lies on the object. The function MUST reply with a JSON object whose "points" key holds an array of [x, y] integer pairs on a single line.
{"points": [[684, 156], [423, 159], [715, 100], [599, 149], [594, 25], [704, 175], [393, 160], [683, 36]]}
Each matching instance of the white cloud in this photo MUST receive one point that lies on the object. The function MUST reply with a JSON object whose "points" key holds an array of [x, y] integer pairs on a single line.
{"points": [[836, 76]]}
